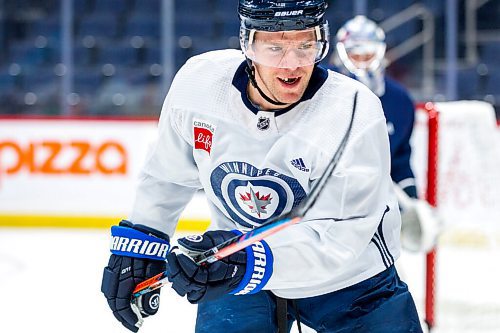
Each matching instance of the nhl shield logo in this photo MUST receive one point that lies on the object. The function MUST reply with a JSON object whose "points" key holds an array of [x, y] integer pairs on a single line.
{"points": [[263, 123]]}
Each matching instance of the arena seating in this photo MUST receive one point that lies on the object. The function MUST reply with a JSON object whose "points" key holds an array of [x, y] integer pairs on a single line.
{"points": [[121, 40]]}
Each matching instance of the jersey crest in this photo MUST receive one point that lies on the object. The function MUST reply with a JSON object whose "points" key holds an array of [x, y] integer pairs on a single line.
{"points": [[257, 203], [251, 196]]}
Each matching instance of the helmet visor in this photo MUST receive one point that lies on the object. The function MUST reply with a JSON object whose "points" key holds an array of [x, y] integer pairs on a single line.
{"points": [[360, 56], [363, 47], [285, 49]]}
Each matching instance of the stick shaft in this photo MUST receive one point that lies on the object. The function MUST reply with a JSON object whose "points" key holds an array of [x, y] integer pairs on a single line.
{"points": [[269, 228], [243, 241]]}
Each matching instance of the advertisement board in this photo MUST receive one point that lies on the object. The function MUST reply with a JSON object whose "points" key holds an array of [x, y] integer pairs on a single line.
{"points": [[71, 172]]}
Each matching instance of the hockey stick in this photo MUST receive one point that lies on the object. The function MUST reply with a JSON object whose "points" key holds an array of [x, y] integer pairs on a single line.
{"points": [[269, 228]]}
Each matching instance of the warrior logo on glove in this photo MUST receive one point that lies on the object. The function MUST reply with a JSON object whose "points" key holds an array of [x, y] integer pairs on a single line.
{"points": [[243, 272], [129, 266], [194, 238], [154, 301]]}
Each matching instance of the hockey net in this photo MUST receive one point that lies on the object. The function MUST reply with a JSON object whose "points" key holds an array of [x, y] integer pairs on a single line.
{"points": [[456, 154]]}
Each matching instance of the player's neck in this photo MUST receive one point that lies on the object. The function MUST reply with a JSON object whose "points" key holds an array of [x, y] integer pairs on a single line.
{"points": [[259, 102]]}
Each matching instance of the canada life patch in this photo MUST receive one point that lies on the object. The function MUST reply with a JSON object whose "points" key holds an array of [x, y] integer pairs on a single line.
{"points": [[203, 135]]}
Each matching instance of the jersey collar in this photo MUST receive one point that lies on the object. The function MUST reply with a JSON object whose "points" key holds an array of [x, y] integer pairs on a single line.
{"points": [[240, 82]]}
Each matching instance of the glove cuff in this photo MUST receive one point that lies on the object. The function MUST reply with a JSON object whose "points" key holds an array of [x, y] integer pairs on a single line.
{"points": [[145, 229], [139, 241], [259, 268]]}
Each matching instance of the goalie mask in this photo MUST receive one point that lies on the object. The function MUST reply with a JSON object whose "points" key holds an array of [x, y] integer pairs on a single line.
{"points": [[360, 46], [283, 33]]}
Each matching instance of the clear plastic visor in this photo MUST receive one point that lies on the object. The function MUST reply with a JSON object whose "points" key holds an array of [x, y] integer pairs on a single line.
{"points": [[285, 49]]}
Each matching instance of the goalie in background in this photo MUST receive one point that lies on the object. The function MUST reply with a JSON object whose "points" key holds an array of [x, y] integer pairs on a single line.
{"points": [[360, 50]]}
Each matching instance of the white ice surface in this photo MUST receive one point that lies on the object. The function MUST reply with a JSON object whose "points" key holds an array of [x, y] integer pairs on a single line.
{"points": [[50, 280]]}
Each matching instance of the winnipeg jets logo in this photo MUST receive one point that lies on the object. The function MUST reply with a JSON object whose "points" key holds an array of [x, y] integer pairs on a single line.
{"points": [[251, 196], [256, 202]]}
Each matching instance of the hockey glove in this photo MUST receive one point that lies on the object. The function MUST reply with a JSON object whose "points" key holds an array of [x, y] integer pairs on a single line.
{"points": [[420, 224], [138, 253], [243, 272], [420, 227]]}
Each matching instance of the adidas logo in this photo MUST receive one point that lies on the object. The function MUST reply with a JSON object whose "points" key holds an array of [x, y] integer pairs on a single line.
{"points": [[299, 164]]}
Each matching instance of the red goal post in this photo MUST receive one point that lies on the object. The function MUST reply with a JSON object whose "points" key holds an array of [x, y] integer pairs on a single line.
{"points": [[431, 197], [455, 158]]}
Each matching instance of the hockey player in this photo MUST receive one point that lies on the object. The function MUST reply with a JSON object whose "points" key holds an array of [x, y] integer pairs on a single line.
{"points": [[256, 131], [360, 51]]}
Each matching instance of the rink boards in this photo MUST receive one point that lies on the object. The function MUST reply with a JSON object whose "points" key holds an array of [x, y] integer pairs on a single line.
{"points": [[75, 172], [82, 173]]}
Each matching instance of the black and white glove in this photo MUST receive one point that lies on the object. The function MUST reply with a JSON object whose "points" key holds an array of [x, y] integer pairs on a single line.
{"points": [[138, 253], [244, 272]]}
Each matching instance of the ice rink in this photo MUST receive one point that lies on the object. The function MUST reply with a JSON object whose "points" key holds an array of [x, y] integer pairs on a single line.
{"points": [[51, 284]]}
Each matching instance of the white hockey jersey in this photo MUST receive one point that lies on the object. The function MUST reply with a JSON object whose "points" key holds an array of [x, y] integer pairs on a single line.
{"points": [[254, 165]]}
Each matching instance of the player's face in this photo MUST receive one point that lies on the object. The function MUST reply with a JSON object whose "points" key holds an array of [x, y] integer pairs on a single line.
{"points": [[287, 79], [363, 53], [361, 60]]}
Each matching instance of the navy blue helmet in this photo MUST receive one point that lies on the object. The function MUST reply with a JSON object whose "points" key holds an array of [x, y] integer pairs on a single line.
{"points": [[272, 19], [281, 15]]}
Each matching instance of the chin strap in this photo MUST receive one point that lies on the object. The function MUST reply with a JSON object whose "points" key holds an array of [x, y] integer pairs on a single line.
{"points": [[250, 70]]}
